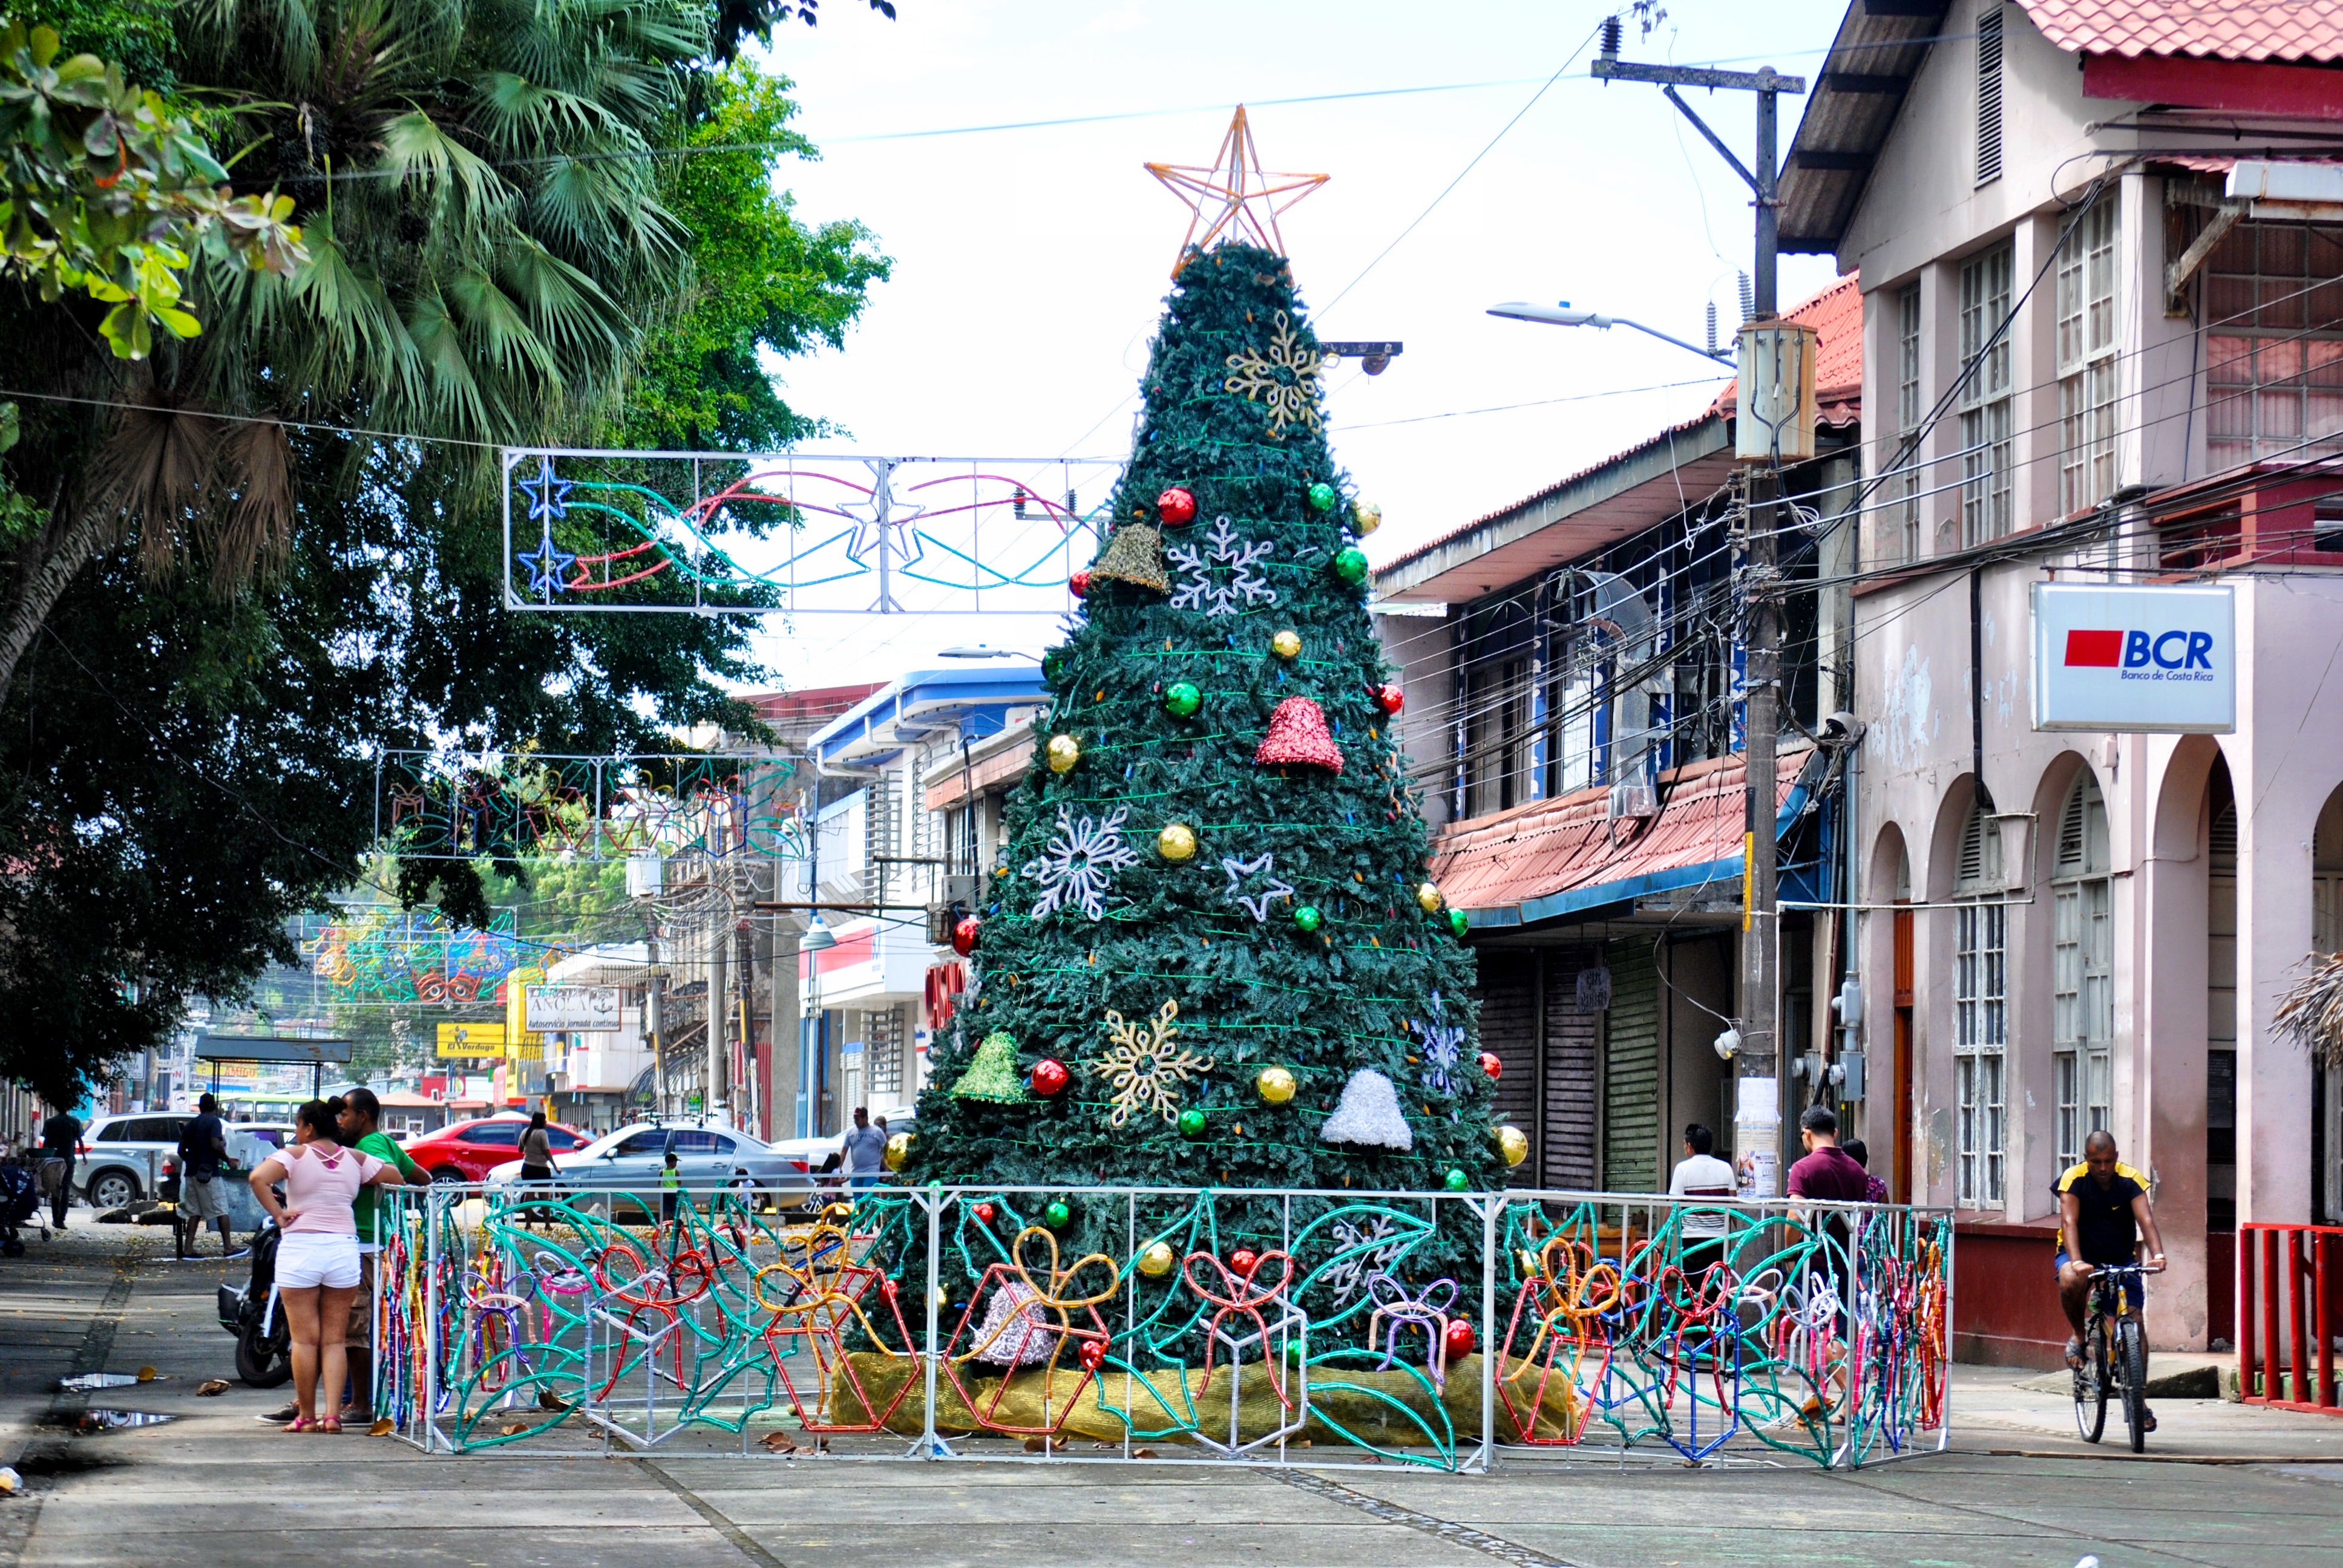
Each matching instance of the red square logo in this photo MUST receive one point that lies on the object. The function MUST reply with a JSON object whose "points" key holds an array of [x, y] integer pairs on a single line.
{"points": [[2103, 649]]}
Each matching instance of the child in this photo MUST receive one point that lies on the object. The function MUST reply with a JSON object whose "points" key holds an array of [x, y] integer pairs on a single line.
{"points": [[671, 1190]]}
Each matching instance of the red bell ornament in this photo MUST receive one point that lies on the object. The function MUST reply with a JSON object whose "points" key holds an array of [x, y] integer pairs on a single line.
{"points": [[1491, 1065], [1298, 736], [964, 935], [1457, 1343], [1079, 585], [1243, 1261], [1050, 1078], [1176, 506], [1390, 697]]}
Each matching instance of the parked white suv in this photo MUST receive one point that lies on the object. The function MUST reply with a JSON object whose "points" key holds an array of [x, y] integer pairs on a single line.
{"points": [[122, 1156]]}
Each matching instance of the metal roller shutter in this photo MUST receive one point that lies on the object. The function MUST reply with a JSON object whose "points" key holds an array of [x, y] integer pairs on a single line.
{"points": [[1508, 992], [1574, 1043], [1631, 1072]]}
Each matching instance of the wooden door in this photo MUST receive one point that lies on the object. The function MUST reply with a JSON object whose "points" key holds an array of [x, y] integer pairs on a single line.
{"points": [[1901, 1190]]}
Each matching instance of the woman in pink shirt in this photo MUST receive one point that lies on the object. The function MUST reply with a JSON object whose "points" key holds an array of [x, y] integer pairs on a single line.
{"points": [[317, 1252]]}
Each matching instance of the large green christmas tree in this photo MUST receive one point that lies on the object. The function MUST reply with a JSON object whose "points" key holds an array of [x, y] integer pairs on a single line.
{"points": [[1208, 956]]}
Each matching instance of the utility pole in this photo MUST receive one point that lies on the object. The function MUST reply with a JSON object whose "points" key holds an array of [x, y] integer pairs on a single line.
{"points": [[1757, 1090]]}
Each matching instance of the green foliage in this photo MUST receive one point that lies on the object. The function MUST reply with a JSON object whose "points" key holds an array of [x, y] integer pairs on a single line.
{"points": [[763, 282], [1367, 989], [111, 195]]}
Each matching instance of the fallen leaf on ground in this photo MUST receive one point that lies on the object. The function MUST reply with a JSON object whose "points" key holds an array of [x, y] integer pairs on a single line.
{"points": [[1142, 1453], [382, 1428], [514, 1428], [146, 1374], [216, 1385], [779, 1443]]}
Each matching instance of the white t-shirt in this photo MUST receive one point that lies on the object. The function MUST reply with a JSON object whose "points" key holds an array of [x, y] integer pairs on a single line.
{"points": [[1702, 1176]]}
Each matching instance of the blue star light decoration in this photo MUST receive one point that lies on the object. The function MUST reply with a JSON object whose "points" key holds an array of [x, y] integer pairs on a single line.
{"points": [[548, 498], [548, 565], [1241, 872], [884, 517]]}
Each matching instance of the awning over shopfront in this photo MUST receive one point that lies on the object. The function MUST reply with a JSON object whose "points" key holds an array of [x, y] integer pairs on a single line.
{"points": [[1556, 857]]}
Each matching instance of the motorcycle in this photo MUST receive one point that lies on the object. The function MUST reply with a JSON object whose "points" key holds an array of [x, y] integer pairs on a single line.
{"points": [[264, 1346]]}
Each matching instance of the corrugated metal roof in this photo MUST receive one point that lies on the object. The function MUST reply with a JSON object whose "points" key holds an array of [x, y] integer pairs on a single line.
{"points": [[1849, 112], [2308, 30], [1542, 860]]}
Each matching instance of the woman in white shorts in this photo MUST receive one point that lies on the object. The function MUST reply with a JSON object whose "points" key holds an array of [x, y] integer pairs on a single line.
{"points": [[317, 1253]]}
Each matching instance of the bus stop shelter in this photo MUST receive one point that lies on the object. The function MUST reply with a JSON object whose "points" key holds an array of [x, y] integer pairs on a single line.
{"points": [[274, 1050]]}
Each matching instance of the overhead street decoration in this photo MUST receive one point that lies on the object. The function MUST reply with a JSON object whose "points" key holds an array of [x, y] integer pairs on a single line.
{"points": [[383, 953], [525, 806], [797, 533]]}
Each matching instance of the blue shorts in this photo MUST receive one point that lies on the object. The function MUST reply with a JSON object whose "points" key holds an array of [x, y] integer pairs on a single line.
{"points": [[2135, 1290]]}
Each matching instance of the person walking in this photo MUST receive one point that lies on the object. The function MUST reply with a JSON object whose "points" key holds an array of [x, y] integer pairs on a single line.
{"points": [[317, 1252], [866, 1153], [1874, 1190], [203, 1190], [1700, 1174], [360, 1119], [670, 1200], [535, 1166], [60, 1139]]}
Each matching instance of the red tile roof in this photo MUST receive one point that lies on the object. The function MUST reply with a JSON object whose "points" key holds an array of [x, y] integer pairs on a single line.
{"points": [[2206, 29], [1553, 846], [1836, 316], [819, 702]]}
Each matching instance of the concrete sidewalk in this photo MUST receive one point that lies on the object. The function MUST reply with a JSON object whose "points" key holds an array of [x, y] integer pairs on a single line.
{"points": [[214, 1486]]}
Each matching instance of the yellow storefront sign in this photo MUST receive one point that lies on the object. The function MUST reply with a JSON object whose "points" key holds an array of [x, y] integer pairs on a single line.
{"points": [[478, 1040]]}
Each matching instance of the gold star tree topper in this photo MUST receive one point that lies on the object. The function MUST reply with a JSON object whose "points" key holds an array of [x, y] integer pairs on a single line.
{"points": [[1233, 199]]}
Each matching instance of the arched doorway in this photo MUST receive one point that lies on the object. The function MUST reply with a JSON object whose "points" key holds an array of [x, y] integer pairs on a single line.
{"points": [[2082, 899], [2326, 937], [2221, 1010], [1891, 883]]}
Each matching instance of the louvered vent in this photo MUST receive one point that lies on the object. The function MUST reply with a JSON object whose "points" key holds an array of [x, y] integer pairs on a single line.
{"points": [[1988, 99]]}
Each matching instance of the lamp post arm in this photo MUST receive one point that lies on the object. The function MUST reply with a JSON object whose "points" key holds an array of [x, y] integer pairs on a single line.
{"points": [[1718, 357]]}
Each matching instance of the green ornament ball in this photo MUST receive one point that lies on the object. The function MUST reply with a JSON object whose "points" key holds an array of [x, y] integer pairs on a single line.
{"points": [[1308, 918], [1182, 699], [1321, 497], [1455, 1182], [1192, 1123], [1351, 566], [1056, 1215], [1459, 923]]}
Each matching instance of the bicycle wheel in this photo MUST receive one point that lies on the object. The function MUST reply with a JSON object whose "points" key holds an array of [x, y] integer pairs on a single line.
{"points": [[2131, 1365], [2091, 1384]]}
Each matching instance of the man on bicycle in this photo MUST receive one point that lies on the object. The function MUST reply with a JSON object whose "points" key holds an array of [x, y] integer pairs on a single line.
{"points": [[2102, 1210]]}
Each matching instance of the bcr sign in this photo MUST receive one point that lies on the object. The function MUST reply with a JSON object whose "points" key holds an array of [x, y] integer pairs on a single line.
{"points": [[2157, 660]]}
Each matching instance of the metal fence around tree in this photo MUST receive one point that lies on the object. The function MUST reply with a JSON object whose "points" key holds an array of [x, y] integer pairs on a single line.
{"points": [[1266, 1327]]}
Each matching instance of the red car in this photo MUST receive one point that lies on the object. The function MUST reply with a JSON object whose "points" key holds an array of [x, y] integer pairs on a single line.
{"points": [[469, 1150]]}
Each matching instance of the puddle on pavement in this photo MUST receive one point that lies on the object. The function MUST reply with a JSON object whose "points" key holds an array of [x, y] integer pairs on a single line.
{"points": [[93, 1422]]}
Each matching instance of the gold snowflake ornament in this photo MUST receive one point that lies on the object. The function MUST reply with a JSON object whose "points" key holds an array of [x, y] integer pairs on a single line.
{"points": [[1142, 1067], [1285, 380]]}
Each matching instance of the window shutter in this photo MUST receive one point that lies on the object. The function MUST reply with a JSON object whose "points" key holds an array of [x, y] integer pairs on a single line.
{"points": [[1971, 871], [1988, 99], [2073, 853]]}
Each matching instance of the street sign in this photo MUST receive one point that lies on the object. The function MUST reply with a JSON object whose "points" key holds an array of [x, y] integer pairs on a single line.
{"points": [[569, 1009], [2159, 660], [473, 1040]]}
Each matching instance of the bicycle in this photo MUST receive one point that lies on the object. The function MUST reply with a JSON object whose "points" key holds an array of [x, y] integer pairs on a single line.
{"points": [[2115, 1355]]}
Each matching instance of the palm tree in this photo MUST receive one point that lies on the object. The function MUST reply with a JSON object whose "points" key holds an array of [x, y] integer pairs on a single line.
{"points": [[487, 250]]}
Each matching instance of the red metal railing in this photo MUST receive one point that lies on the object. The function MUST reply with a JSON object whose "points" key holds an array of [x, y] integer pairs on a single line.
{"points": [[2289, 1308]]}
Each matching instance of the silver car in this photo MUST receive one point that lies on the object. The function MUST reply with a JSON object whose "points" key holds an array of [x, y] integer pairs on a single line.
{"points": [[619, 1173]]}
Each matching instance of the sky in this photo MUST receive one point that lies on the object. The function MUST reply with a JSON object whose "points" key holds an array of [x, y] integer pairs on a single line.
{"points": [[1030, 264]]}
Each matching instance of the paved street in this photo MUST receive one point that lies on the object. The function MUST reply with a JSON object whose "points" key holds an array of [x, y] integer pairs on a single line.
{"points": [[216, 1486]]}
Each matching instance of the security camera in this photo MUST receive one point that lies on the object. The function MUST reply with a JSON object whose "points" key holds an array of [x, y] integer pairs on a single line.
{"points": [[1728, 1044], [1841, 728]]}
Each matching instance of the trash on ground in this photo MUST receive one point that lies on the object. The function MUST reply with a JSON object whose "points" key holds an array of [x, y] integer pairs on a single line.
{"points": [[85, 1381], [383, 1428], [216, 1386], [91, 1422], [11, 1482]]}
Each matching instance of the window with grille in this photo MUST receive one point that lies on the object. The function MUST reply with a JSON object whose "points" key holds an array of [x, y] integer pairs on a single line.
{"points": [[2083, 971], [882, 1051], [1985, 464], [1909, 412], [1980, 1016], [2086, 359], [1989, 94], [2273, 309]]}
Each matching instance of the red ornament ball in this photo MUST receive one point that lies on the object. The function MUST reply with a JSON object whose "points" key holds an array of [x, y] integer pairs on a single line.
{"points": [[964, 935], [888, 1289], [1176, 506], [1092, 1354], [1080, 584], [1390, 697], [984, 1213], [1244, 1260], [1491, 1065], [1458, 1340], [1049, 1077]]}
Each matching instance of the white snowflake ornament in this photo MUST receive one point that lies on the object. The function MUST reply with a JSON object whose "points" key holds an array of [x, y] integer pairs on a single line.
{"points": [[1444, 1049], [1217, 576], [1077, 869], [1263, 865], [1368, 1115]]}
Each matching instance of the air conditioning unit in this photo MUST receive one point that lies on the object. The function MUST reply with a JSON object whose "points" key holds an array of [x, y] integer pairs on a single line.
{"points": [[959, 895]]}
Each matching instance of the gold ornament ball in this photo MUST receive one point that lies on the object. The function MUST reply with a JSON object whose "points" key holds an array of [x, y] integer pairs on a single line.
{"points": [[1512, 1143], [1156, 1259], [1366, 518], [1064, 752], [1286, 644], [1276, 1085], [1427, 898], [1176, 842], [898, 1150]]}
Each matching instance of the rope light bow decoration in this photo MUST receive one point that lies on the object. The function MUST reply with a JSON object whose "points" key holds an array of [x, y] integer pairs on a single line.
{"points": [[1039, 1326]]}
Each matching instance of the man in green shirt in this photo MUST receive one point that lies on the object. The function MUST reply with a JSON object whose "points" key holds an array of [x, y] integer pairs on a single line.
{"points": [[361, 1113]]}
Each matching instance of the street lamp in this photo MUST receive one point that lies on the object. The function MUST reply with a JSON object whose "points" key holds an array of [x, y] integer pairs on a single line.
{"points": [[1562, 314]]}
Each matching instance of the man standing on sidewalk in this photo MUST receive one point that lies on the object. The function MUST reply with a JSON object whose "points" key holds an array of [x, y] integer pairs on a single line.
{"points": [[360, 1122], [203, 1194], [866, 1153], [60, 1138]]}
